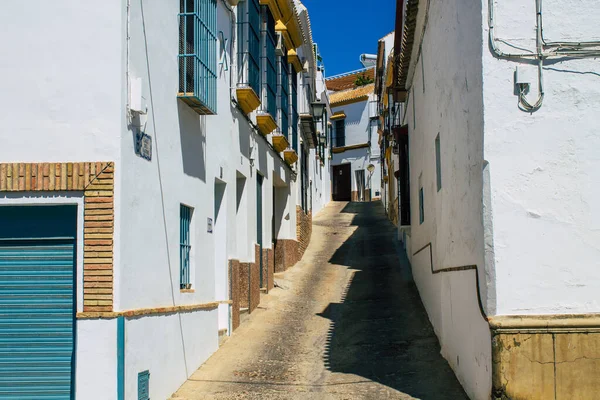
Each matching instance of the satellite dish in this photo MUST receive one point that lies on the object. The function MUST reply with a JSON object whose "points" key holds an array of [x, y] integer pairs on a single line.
{"points": [[371, 168]]}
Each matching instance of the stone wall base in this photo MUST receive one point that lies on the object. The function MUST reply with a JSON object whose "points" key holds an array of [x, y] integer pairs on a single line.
{"points": [[234, 292], [286, 254], [545, 357], [303, 230], [268, 268], [354, 195]]}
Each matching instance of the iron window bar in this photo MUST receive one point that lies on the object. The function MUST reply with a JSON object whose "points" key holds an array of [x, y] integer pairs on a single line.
{"points": [[198, 54], [270, 63], [185, 246], [249, 39], [284, 106], [294, 85]]}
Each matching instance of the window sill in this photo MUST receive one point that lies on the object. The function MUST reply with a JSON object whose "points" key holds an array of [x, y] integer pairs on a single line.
{"points": [[187, 290]]}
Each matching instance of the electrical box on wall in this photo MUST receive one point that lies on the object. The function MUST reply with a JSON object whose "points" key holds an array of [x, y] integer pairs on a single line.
{"points": [[524, 75], [135, 96]]}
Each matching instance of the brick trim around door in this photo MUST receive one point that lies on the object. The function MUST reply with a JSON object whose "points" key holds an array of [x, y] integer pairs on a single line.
{"points": [[96, 180]]}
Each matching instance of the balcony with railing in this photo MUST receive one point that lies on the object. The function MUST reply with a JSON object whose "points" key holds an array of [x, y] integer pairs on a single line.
{"points": [[281, 138], [198, 56], [265, 119], [248, 88]]}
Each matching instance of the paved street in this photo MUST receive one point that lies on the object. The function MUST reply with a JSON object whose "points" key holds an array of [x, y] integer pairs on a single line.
{"points": [[345, 323]]}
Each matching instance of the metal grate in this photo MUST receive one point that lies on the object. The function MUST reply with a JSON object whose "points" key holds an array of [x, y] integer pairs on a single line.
{"points": [[144, 385], [185, 220], [198, 53]]}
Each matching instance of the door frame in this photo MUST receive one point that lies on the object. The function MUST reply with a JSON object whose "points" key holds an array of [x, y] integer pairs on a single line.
{"points": [[335, 181], [12, 199]]}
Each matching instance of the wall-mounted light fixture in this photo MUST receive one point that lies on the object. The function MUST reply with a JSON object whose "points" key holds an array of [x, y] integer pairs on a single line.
{"points": [[317, 109]]}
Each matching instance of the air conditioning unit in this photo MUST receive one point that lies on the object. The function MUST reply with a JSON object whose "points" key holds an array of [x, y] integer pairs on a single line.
{"points": [[279, 47]]}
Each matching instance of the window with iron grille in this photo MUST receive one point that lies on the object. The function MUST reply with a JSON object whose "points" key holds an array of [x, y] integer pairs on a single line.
{"points": [[294, 95], [198, 54], [249, 53], [185, 246], [270, 70], [284, 99], [340, 133]]}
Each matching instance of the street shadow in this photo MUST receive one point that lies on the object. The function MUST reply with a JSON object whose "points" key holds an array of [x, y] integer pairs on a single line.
{"points": [[380, 330]]}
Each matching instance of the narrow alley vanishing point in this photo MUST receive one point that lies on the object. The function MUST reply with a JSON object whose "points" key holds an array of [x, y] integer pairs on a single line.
{"points": [[345, 323]]}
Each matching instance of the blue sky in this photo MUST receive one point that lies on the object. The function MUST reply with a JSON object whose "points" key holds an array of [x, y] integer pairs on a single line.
{"points": [[345, 29]]}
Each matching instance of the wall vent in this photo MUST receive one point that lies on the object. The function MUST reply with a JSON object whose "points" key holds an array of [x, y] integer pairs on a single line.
{"points": [[144, 385]]}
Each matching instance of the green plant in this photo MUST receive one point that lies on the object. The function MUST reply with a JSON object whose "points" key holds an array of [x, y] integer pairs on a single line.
{"points": [[363, 80]]}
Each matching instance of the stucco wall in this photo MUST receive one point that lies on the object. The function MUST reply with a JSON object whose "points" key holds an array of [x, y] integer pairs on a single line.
{"points": [[53, 85], [169, 365], [445, 99], [96, 359], [356, 121], [359, 160], [80, 114], [544, 167]]}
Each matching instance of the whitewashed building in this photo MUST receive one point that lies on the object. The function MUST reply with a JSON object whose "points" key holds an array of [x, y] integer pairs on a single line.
{"points": [[149, 185], [356, 173], [389, 132], [503, 138]]}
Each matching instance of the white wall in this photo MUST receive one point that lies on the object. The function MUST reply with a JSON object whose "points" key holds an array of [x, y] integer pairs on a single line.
{"points": [[357, 122], [180, 354], [65, 105], [544, 167], [96, 360], [358, 131], [445, 98], [53, 85]]}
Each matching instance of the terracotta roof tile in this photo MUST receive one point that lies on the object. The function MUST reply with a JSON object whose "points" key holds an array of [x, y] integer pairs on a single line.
{"points": [[346, 81], [351, 95]]}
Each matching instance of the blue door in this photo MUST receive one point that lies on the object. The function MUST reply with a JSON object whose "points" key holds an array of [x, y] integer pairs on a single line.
{"points": [[37, 302]]}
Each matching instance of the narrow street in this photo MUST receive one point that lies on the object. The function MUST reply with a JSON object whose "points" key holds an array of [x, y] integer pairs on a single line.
{"points": [[345, 323]]}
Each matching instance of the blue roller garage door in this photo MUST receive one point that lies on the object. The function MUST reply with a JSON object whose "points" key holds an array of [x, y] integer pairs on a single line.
{"points": [[37, 302]]}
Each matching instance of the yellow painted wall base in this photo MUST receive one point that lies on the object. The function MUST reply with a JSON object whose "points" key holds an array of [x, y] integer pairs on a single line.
{"points": [[555, 360]]}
